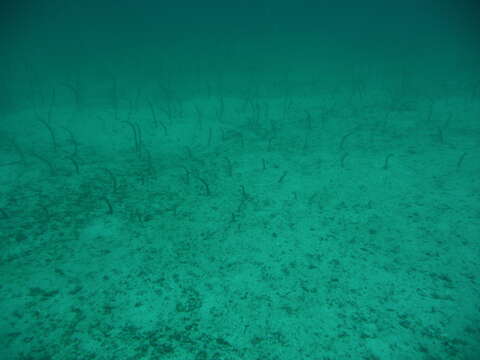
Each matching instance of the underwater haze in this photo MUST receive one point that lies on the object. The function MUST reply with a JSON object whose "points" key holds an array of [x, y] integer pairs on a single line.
{"points": [[220, 180]]}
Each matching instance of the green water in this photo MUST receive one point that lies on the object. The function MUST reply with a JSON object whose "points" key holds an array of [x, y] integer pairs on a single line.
{"points": [[212, 180]]}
